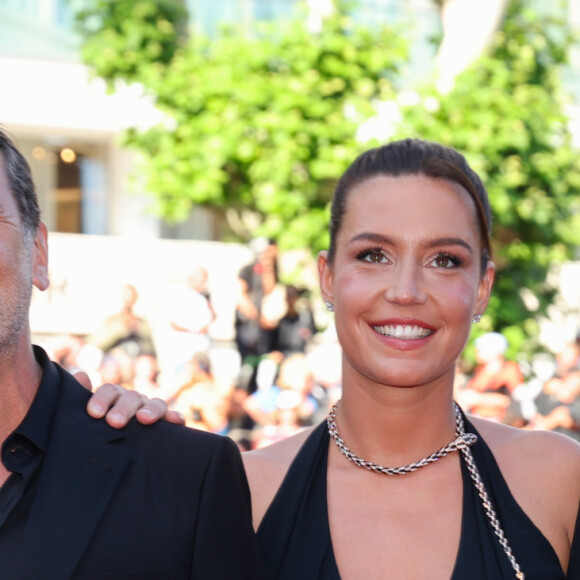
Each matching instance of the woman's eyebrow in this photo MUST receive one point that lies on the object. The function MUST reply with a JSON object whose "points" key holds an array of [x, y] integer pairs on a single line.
{"points": [[436, 242], [373, 237], [430, 243]]}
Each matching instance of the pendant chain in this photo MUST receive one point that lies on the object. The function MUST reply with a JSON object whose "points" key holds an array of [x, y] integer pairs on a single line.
{"points": [[462, 442], [486, 502]]}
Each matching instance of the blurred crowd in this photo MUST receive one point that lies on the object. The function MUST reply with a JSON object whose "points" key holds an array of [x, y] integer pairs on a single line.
{"points": [[280, 374], [541, 394], [283, 373]]}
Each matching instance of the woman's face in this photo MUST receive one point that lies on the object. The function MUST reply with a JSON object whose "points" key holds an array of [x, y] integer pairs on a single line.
{"points": [[406, 279]]}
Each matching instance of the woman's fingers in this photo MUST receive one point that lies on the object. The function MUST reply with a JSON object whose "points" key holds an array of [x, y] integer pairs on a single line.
{"points": [[103, 399], [115, 403], [125, 407], [155, 409], [84, 380], [119, 405], [175, 417]]}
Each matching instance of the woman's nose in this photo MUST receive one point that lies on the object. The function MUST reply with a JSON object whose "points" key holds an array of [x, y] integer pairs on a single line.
{"points": [[406, 285]]}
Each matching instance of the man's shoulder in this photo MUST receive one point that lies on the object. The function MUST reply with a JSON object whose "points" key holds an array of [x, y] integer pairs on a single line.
{"points": [[162, 435], [168, 433]]}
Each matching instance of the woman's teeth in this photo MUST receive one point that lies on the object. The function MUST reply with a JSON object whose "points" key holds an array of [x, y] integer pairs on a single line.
{"points": [[403, 331]]}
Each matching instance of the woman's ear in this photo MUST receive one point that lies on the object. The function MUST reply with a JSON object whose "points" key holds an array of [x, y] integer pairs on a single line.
{"points": [[325, 277], [484, 288]]}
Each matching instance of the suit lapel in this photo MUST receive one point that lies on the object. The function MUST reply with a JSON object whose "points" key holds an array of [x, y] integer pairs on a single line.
{"points": [[80, 473]]}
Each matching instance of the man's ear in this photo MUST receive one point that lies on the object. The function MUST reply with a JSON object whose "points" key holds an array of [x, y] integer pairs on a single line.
{"points": [[40, 258], [325, 277]]}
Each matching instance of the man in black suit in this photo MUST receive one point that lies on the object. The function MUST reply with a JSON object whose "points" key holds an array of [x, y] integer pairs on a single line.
{"points": [[79, 499]]}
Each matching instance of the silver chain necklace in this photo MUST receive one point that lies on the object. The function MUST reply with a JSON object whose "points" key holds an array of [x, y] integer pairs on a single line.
{"points": [[462, 442]]}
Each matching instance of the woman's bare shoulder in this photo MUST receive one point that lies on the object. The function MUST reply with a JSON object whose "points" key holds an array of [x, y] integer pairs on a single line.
{"points": [[533, 447], [266, 468], [542, 470]]}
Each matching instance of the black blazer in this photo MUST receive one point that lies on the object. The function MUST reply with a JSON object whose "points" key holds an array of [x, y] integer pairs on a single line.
{"points": [[157, 502]]}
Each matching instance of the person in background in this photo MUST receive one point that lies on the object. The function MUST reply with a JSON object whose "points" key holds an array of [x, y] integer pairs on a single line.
{"points": [[259, 307], [110, 371], [146, 371], [297, 326], [287, 420], [124, 330], [189, 315], [238, 419], [198, 397], [295, 376], [69, 351], [488, 393], [558, 406], [568, 359]]}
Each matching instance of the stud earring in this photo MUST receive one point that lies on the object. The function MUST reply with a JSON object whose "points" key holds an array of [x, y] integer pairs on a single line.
{"points": [[476, 318], [329, 306]]}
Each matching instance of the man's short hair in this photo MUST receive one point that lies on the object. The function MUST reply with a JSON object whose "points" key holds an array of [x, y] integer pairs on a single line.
{"points": [[20, 182]]}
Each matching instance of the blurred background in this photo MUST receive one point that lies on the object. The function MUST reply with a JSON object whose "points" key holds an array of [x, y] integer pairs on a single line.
{"points": [[167, 136]]}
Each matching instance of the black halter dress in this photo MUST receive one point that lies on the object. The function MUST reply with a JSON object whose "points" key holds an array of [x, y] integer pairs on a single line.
{"points": [[295, 536]]}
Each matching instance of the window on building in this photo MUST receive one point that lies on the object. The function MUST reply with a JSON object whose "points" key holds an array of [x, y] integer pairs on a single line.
{"points": [[67, 195], [71, 183]]}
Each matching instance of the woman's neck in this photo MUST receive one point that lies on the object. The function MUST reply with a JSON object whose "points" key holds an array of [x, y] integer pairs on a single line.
{"points": [[395, 426]]}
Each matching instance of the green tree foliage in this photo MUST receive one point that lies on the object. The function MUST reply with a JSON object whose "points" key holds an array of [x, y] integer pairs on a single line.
{"points": [[260, 123], [506, 114], [126, 39]]}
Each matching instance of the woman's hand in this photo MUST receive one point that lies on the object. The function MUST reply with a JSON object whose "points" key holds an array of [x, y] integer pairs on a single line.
{"points": [[117, 405]]}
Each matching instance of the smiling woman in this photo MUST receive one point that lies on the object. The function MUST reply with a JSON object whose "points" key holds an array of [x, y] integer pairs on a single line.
{"points": [[412, 488], [405, 278]]}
